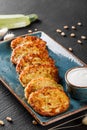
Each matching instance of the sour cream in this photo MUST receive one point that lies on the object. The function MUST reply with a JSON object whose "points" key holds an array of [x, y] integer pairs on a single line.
{"points": [[78, 77]]}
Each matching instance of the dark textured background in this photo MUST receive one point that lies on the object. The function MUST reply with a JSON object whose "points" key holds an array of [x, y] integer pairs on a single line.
{"points": [[52, 14]]}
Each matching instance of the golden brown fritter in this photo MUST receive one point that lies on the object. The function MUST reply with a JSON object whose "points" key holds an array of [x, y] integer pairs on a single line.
{"points": [[38, 83], [28, 38], [49, 101], [32, 59], [31, 48], [22, 40], [39, 76], [17, 41], [37, 71]]}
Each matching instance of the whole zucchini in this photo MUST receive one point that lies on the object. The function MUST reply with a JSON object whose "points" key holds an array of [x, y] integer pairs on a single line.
{"points": [[13, 21]]}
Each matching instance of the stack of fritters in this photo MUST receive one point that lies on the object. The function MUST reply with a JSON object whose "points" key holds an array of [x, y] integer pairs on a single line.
{"points": [[39, 76]]}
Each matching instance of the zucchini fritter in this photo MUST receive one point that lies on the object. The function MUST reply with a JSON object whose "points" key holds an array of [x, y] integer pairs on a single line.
{"points": [[32, 59], [17, 41], [34, 71], [49, 101], [33, 39], [39, 75], [38, 83], [22, 40], [31, 48]]}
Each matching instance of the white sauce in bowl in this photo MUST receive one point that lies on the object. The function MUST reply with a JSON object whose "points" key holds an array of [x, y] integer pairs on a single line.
{"points": [[78, 77]]}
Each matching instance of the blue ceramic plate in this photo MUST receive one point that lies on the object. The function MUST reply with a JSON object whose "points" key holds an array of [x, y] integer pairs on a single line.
{"points": [[64, 60]]}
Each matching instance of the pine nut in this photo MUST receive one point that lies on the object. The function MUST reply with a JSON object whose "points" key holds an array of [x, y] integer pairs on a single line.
{"points": [[9, 119], [35, 29], [58, 30], [72, 35], [63, 34], [66, 27], [79, 41], [73, 27], [79, 24], [34, 122], [30, 31], [84, 120], [83, 37], [1, 123], [70, 49]]}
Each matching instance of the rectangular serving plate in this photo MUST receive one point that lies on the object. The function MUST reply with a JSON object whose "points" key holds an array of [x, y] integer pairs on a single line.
{"points": [[64, 60]]}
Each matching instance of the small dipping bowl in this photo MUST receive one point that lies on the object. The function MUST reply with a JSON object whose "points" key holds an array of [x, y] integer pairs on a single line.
{"points": [[76, 81]]}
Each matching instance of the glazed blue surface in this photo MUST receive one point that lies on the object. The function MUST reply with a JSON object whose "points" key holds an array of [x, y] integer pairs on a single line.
{"points": [[64, 60]]}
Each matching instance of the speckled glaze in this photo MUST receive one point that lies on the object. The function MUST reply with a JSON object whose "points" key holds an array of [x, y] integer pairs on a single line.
{"points": [[64, 60], [77, 92]]}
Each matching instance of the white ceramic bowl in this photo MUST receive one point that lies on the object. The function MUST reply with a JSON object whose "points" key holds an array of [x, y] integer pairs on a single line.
{"points": [[76, 81]]}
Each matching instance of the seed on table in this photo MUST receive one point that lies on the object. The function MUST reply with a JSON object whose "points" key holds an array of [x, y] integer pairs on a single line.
{"points": [[83, 37], [63, 34], [1, 122], [73, 27], [72, 35], [58, 30], [79, 24], [35, 29], [30, 31], [66, 27], [79, 41], [34, 122], [70, 49], [9, 119], [84, 120]]}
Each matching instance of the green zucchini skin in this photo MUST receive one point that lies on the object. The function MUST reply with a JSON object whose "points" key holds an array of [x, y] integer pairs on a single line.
{"points": [[16, 20]]}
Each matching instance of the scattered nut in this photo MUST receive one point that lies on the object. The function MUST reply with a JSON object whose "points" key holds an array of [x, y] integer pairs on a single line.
{"points": [[84, 120], [35, 29], [34, 122], [58, 30], [9, 119], [63, 34], [79, 41], [72, 35], [1, 123], [30, 31], [83, 37], [66, 27], [70, 49], [79, 24], [73, 27]]}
